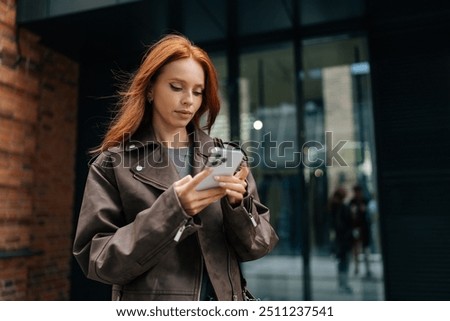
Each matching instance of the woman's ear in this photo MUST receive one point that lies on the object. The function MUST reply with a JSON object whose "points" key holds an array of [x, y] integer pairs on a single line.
{"points": [[150, 96]]}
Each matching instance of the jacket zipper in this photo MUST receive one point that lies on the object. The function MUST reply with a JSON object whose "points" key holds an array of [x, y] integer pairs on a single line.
{"points": [[201, 279], [148, 181], [250, 215], [180, 231], [252, 219], [170, 240], [201, 270], [233, 295]]}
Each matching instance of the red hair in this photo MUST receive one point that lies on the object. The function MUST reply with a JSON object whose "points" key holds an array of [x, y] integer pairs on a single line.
{"points": [[133, 100]]}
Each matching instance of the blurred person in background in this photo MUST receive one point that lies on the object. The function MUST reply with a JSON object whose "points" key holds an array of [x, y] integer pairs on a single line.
{"points": [[342, 236], [361, 229]]}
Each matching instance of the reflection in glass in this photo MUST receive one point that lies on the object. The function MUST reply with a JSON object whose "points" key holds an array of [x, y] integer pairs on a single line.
{"points": [[221, 127], [338, 152], [338, 114], [257, 16], [268, 127], [322, 11]]}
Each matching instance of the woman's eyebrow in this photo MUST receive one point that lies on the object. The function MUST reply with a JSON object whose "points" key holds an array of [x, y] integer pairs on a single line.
{"points": [[184, 82]]}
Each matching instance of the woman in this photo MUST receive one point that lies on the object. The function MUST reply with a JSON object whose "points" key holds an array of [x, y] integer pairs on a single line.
{"points": [[143, 226], [341, 224], [361, 229]]}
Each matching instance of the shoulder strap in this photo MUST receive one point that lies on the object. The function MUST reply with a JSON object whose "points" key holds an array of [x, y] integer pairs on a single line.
{"points": [[220, 143]]}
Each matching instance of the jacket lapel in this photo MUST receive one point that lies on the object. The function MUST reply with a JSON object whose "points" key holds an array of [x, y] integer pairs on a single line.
{"points": [[155, 168], [202, 145]]}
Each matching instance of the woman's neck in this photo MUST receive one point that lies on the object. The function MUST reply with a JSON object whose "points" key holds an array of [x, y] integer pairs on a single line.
{"points": [[175, 139]]}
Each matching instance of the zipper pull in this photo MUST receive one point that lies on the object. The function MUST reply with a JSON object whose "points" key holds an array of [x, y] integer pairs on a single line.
{"points": [[252, 219], [180, 232]]}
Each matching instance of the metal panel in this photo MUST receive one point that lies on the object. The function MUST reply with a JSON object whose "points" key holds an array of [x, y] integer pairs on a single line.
{"points": [[32, 10], [410, 70]]}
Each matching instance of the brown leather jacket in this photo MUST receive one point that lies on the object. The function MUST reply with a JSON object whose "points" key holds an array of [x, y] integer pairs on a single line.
{"points": [[133, 233]]}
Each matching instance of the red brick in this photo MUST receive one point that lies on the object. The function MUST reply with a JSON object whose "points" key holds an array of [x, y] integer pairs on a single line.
{"points": [[19, 80], [15, 105], [7, 31], [38, 115], [14, 236], [10, 3], [13, 279], [15, 204], [28, 50], [29, 37], [13, 173], [7, 13], [17, 137]]}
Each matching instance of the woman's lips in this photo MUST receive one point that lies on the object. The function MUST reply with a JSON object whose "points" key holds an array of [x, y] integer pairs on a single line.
{"points": [[185, 113]]}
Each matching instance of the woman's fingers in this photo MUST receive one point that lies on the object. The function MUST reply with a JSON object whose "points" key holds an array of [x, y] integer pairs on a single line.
{"points": [[194, 201], [198, 178], [243, 172], [184, 180], [235, 186], [209, 193], [239, 187], [232, 182], [195, 206], [234, 196]]}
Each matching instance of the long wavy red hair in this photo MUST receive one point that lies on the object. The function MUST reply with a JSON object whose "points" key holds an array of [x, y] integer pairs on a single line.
{"points": [[133, 100]]}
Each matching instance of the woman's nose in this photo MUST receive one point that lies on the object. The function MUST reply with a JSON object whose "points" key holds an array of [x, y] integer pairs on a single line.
{"points": [[188, 99]]}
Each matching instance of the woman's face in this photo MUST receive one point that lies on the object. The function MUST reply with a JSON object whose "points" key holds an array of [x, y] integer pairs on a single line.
{"points": [[177, 94]]}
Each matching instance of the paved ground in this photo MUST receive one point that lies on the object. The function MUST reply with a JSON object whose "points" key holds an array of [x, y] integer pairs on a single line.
{"points": [[280, 278]]}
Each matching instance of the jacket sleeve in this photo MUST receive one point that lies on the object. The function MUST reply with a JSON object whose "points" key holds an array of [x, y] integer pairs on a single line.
{"points": [[112, 251], [248, 226]]}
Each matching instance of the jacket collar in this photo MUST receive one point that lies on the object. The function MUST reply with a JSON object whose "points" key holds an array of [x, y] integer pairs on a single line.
{"points": [[154, 166]]}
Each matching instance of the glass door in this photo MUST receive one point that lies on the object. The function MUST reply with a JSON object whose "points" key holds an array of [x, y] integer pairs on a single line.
{"points": [[269, 130], [345, 261], [337, 159]]}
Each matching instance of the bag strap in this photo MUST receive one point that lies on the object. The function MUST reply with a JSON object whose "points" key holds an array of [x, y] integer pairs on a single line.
{"points": [[245, 292], [247, 295], [218, 142]]}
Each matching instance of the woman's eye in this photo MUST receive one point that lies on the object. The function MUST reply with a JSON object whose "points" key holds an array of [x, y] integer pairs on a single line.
{"points": [[175, 87], [198, 93]]}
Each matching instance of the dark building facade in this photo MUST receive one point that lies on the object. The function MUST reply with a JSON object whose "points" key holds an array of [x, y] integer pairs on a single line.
{"points": [[331, 94]]}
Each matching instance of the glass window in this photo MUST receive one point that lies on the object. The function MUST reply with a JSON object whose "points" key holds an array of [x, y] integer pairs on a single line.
{"points": [[320, 11], [338, 154], [256, 16], [205, 20], [338, 115], [221, 126], [269, 129]]}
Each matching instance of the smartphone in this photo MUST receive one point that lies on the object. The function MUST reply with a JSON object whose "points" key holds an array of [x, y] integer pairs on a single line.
{"points": [[224, 162]]}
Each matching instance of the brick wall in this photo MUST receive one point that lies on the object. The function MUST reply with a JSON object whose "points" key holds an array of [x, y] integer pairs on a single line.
{"points": [[38, 105]]}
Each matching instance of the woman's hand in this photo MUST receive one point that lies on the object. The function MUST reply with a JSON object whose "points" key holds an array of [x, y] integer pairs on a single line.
{"points": [[194, 201], [235, 186]]}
